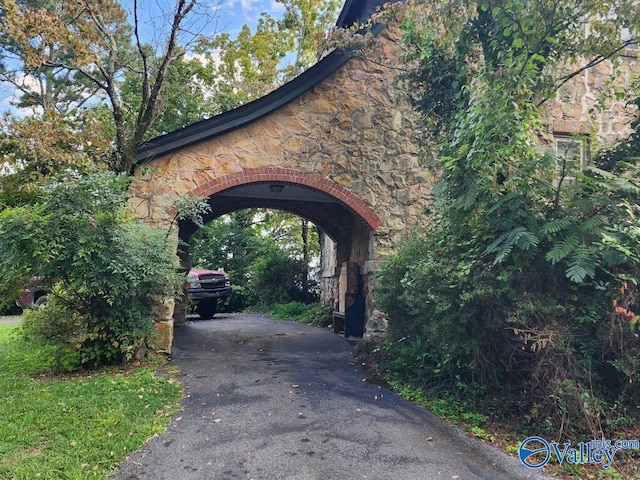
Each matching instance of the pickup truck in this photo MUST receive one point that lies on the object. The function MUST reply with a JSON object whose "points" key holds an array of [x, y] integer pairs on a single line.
{"points": [[205, 287], [34, 295]]}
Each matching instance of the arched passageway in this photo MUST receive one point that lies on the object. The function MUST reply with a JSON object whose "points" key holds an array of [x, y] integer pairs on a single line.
{"points": [[340, 139], [347, 225]]}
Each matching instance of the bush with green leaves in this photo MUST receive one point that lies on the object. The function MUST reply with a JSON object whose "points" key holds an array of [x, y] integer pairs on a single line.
{"points": [[279, 278], [107, 270], [523, 286]]}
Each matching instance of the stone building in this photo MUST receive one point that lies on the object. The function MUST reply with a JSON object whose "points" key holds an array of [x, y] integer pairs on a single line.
{"points": [[340, 146]]}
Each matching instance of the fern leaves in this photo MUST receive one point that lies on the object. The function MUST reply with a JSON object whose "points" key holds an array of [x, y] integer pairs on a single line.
{"points": [[570, 242], [519, 237], [575, 244], [582, 264], [555, 226], [562, 249]]}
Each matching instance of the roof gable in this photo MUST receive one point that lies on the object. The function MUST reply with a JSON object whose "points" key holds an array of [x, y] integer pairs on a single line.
{"points": [[352, 12]]}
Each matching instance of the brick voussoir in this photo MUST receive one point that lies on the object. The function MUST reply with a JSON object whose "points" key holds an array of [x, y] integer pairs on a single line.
{"points": [[293, 176]]}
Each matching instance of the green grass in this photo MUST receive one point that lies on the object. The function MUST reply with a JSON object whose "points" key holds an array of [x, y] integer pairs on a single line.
{"points": [[77, 427], [313, 314]]}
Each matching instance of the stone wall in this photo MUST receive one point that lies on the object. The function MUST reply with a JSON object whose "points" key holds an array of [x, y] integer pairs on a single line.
{"points": [[354, 129], [353, 136], [577, 108]]}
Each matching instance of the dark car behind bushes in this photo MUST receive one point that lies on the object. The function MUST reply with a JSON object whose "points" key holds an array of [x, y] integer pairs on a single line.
{"points": [[34, 295]]}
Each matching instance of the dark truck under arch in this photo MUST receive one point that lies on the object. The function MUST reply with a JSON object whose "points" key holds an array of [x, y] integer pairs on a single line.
{"points": [[205, 287]]}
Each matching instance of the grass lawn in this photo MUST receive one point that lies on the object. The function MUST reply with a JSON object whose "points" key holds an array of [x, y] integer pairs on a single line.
{"points": [[74, 427]]}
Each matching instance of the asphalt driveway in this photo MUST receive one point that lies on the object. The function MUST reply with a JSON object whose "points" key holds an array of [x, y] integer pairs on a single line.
{"points": [[270, 400], [10, 319]]}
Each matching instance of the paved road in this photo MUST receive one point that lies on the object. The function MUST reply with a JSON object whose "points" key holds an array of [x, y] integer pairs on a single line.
{"points": [[273, 400], [10, 319]]}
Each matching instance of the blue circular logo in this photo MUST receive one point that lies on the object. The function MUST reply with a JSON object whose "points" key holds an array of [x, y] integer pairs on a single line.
{"points": [[534, 452]]}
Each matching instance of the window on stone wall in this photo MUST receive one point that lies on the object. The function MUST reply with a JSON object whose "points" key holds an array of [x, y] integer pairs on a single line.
{"points": [[571, 153]]}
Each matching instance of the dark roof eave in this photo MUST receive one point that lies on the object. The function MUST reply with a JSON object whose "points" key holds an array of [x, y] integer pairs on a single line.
{"points": [[244, 114]]}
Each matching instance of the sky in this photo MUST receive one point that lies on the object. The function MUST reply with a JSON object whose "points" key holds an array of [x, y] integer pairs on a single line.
{"points": [[226, 16]]}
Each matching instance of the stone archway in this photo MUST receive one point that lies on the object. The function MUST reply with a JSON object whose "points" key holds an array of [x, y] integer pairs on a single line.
{"points": [[346, 222], [274, 175], [341, 137]]}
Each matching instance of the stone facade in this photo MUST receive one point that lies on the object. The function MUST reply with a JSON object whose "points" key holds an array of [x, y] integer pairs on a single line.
{"points": [[577, 109]]}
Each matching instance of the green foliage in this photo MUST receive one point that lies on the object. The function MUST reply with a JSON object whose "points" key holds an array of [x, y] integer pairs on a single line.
{"points": [[312, 314], [107, 270], [445, 407], [241, 298], [187, 97], [9, 307], [253, 63], [516, 287], [264, 251], [278, 278], [233, 244]]}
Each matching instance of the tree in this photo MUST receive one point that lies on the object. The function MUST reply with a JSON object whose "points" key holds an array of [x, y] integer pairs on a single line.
{"points": [[230, 242], [33, 148], [296, 237], [92, 41], [89, 54], [307, 22], [107, 270], [247, 66], [189, 96], [519, 271], [42, 87], [254, 63]]}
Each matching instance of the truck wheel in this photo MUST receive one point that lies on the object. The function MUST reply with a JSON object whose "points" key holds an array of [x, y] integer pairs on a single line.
{"points": [[40, 302], [207, 308]]}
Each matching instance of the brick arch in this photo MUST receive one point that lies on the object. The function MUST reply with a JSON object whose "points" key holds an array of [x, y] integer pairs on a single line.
{"points": [[290, 175]]}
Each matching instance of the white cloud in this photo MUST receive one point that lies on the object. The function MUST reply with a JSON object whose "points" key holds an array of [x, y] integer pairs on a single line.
{"points": [[275, 7], [248, 10]]}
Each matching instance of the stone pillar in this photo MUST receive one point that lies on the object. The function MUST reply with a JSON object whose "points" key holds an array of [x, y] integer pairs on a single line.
{"points": [[181, 303], [180, 311], [328, 271], [163, 340], [376, 320]]}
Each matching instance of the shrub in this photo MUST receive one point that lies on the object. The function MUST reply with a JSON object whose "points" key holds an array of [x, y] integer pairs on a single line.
{"points": [[109, 270], [313, 314], [523, 287], [553, 349], [278, 278]]}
